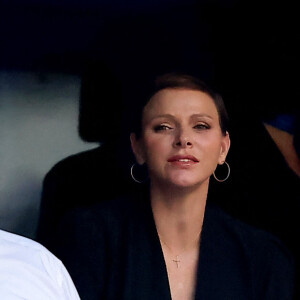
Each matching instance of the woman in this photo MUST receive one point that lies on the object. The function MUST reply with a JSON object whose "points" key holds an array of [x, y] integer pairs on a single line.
{"points": [[166, 243]]}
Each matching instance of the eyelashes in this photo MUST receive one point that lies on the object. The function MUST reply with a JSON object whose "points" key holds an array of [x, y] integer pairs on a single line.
{"points": [[162, 127], [202, 126], [165, 127]]}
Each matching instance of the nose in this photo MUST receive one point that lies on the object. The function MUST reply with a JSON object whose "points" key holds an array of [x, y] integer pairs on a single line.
{"points": [[182, 140]]}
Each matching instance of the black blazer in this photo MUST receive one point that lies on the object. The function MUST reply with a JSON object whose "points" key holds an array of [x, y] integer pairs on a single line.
{"points": [[112, 251]]}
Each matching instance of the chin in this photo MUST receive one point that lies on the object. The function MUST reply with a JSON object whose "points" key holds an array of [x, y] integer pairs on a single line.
{"points": [[184, 182], [179, 180], [188, 180]]}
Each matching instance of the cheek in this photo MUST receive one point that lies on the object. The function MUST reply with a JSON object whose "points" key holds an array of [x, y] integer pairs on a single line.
{"points": [[211, 147], [155, 149]]}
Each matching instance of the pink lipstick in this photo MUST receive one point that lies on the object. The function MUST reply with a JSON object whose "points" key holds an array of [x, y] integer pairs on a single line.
{"points": [[183, 160]]}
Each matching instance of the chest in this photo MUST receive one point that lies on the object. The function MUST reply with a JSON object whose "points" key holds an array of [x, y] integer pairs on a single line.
{"points": [[182, 273], [134, 265]]}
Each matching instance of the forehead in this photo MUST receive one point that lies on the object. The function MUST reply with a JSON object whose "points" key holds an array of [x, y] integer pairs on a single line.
{"points": [[180, 102]]}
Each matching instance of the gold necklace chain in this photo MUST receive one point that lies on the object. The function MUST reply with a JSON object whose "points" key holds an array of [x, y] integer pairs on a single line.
{"points": [[176, 260]]}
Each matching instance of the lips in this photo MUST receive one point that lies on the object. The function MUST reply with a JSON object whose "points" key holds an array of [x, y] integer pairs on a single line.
{"points": [[183, 159]]}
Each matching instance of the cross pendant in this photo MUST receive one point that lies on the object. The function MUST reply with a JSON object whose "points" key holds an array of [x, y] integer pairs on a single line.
{"points": [[177, 261]]}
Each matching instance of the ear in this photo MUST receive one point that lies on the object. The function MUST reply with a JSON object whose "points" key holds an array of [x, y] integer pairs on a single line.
{"points": [[137, 149], [225, 145]]}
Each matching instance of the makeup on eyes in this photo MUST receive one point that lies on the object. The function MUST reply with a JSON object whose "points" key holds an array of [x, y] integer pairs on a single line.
{"points": [[202, 126], [196, 122], [162, 127]]}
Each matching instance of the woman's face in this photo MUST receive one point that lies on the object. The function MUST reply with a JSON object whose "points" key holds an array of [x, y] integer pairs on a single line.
{"points": [[181, 141]]}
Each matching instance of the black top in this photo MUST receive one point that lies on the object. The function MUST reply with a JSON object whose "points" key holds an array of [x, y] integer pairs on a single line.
{"points": [[113, 252]]}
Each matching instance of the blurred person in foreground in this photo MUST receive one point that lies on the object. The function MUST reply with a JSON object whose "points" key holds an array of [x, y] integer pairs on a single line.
{"points": [[30, 271]]}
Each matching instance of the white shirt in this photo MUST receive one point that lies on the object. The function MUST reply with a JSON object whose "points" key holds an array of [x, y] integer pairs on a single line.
{"points": [[29, 271]]}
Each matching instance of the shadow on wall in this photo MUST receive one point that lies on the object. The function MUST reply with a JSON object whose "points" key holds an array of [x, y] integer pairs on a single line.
{"points": [[39, 116]]}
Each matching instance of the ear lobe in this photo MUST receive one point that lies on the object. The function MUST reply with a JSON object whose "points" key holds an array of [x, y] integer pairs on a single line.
{"points": [[225, 145], [137, 149]]}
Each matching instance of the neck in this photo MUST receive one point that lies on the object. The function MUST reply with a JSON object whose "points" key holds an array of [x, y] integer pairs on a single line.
{"points": [[178, 214]]}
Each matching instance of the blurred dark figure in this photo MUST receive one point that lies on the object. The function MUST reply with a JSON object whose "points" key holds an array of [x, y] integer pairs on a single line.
{"points": [[264, 182], [258, 72], [88, 177]]}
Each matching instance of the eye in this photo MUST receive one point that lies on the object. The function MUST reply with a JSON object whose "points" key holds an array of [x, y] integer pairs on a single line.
{"points": [[162, 127], [201, 126]]}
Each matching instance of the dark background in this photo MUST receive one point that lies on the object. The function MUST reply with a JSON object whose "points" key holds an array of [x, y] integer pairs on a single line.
{"points": [[245, 46], [58, 35]]}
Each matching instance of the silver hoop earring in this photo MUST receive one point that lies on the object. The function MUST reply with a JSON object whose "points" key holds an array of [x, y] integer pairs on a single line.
{"points": [[222, 180], [132, 176]]}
